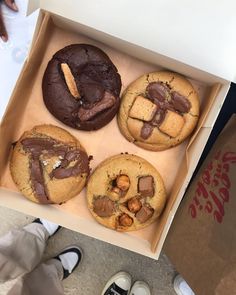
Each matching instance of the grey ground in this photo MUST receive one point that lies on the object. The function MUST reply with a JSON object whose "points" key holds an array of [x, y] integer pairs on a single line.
{"points": [[100, 262]]}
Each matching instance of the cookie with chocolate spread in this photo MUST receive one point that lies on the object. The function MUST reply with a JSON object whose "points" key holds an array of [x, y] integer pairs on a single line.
{"points": [[158, 111], [125, 193], [81, 87], [49, 165]]}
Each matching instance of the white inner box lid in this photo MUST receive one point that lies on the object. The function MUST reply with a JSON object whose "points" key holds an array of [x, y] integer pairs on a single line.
{"points": [[198, 33]]}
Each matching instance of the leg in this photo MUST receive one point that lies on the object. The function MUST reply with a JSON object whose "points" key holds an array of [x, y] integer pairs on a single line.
{"points": [[46, 278], [22, 250]]}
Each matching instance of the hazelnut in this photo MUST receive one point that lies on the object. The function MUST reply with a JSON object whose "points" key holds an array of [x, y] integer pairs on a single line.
{"points": [[125, 220], [123, 182], [114, 194], [134, 205]]}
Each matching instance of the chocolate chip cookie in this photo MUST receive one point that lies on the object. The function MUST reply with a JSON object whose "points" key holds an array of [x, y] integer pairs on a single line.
{"points": [[49, 165], [158, 111], [81, 87], [126, 193]]}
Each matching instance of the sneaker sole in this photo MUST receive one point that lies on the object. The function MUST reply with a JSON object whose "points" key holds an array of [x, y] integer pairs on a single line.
{"points": [[177, 280], [140, 284]]}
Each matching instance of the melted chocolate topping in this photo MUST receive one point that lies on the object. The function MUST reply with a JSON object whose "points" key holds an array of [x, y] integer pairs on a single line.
{"points": [[146, 130], [157, 91], [37, 146], [180, 103], [160, 94], [85, 114], [36, 175]]}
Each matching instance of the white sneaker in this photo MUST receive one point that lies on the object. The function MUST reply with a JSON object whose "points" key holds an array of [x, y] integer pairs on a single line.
{"points": [[181, 287], [140, 288], [70, 259], [51, 227], [119, 284]]}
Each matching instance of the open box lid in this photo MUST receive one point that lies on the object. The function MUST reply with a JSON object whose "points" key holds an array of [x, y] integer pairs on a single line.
{"points": [[197, 33]]}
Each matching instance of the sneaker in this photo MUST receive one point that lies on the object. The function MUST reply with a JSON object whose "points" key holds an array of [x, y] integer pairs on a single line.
{"points": [[181, 287], [51, 227], [140, 288], [70, 259], [119, 284]]}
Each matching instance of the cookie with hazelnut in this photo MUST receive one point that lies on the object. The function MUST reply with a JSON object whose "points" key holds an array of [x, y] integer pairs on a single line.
{"points": [[125, 192], [158, 111], [49, 165]]}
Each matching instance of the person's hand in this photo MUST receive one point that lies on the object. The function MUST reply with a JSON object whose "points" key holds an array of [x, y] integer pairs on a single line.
{"points": [[12, 5]]}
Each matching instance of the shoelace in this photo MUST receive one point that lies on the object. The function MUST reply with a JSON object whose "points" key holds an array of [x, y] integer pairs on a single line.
{"points": [[114, 292]]}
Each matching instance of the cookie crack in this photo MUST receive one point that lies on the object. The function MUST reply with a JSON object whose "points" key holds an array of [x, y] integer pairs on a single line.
{"points": [[196, 116], [171, 80], [190, 93], [87, 53], [147, 78]]}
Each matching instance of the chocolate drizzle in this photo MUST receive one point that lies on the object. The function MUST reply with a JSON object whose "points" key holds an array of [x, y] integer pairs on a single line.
{"points": [[146, 130], [180, 103], [157, 92], [85, 113], [160, 94], [37, 146], [36, 175]]}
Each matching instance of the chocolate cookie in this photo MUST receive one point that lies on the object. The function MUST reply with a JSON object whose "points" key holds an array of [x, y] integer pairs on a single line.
{"points": [[158, 111], [126, 193], [81, 87], [49, 165]]}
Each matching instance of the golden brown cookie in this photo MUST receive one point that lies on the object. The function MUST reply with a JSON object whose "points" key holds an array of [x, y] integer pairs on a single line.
{"points": [[49, 165], [125, 193], [158, 111]]}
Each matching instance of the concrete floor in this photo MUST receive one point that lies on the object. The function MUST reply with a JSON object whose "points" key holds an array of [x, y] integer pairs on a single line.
{"points": [[101, 261]]}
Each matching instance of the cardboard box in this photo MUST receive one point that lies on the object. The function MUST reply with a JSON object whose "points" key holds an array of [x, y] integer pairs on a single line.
{"points": [[58, 25], [204, 250]]}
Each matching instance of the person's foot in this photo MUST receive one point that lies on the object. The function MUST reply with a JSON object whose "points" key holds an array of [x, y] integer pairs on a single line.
{"points": [[51, 227], [70, 258], [119, 284], [181, 287], [140, 288]]}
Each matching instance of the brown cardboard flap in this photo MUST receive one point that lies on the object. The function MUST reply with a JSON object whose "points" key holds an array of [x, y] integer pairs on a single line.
{"points": [[26, 109], [202, 240], [205, 107]]}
